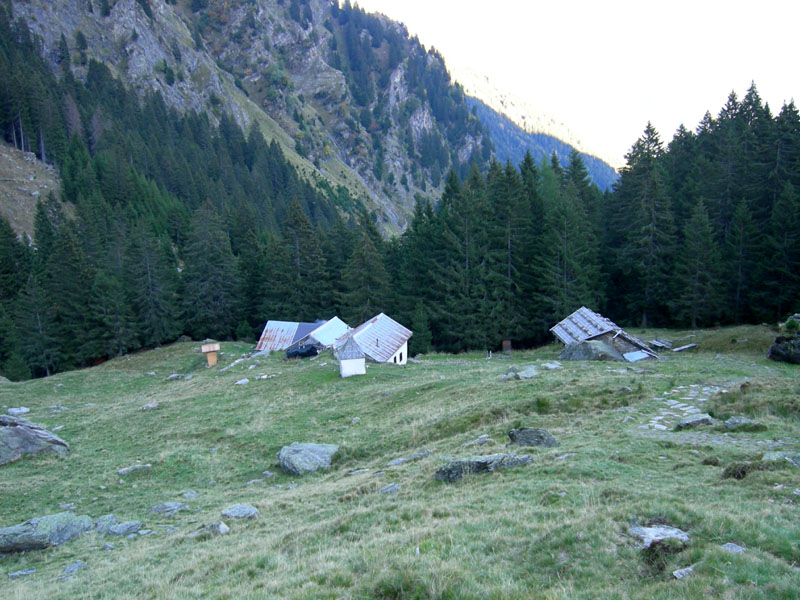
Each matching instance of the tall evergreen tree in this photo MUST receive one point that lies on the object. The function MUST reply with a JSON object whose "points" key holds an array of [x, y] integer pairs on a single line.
{"points": [[365, 283]]}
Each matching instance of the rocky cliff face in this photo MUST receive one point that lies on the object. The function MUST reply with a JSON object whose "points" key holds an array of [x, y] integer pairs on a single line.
{"points": [[292, 68]]}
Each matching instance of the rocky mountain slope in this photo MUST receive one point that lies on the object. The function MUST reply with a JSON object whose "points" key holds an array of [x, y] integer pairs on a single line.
{"points": [[350, 97]]}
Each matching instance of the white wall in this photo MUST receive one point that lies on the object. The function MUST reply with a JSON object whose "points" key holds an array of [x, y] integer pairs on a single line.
{"points": [[401, 356], [352, 366]]}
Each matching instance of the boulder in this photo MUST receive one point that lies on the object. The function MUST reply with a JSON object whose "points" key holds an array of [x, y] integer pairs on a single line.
{"points": [[43, 532], [785, 349], [169, 509], [732, 548], [532, 436], [240, 511], [19, 437], [392, 488], [297, 458], [23, 573], [456, 469], [19, 411], [126, 528], [738, 423], [695, 421], [590, 350], [104, 523], [793, 458], [648, 536]]}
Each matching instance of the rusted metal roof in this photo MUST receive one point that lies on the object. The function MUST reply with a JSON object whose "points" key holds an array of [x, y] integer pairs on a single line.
{"points": [[279, 335], [379, 338]]}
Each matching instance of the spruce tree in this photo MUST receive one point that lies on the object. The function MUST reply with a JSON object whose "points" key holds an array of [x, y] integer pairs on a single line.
{"points": [[782, 281], [37, 332], [365, 283], [697, 280]]}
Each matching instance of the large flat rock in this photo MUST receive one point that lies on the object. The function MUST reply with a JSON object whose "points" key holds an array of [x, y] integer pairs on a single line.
{"points": [[298, 458], [43, 532], [19, 437]]}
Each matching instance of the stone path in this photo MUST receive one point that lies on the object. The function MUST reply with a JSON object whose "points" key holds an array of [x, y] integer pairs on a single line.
{"points": [[687, 400]]}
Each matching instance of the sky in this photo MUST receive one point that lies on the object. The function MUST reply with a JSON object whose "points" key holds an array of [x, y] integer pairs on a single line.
{"points": [[606, 68]]}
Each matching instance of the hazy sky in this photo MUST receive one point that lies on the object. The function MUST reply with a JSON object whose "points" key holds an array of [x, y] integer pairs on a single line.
{"points": [[605, 68]]}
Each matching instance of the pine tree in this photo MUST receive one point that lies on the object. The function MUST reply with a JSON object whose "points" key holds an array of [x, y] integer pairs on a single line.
{"points": [[741, 248], [420, 342], [36, 328], [365, 283], [697, 278], [783, 270], [209, 277], [111, 322]]}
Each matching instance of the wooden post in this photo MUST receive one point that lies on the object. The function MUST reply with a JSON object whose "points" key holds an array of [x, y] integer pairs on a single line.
{"points": [[506, 345], [210, 350]]}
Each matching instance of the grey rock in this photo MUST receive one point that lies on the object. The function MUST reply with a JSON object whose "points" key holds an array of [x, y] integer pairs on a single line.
{"points": [[785, 349], [532, 436], [697, 420], [244, 381], [738, 423], [190, 494], [355, 420], [131, 536], [268, 474], [169, 509], [379, 474], [108, 547], [400, 461], [70, 570], [648, 536], [625, 389], [297, 458], [67, 506], [23, 573], [455, 470], [252, 481], [479, 441], [149, 406], [151, 373], [527, 373], [590, 350], [126, 528], [732, 548], [188, 377], [133, 468], [357, 472], [174, 377], [19, 437], [683, 573], [217, 528], [104, 523], [551, 366], [18, 412], [43, 532], [147, 532], [793, 458], [392, 488], [240, 511]]}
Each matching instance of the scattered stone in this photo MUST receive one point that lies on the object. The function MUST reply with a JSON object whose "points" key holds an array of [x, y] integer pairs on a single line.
{"points": [[23, 573], [104, 523], [455, 470], [590, 350], [190, 494], [527, 373], [67, 506], [252, 481], [400, 461], [479, 441], [151, 373], [357, 472], [564, 456], [57, 428], [70, 570], [551, 366], [133, 468], [793, 458], [732, 548], [217, 528], [188, 377], [174, 377], [169, 509], [532, 436], [268, 474], [379, 474], [57, 408], [392, 488], [18, 412], [131, 536], [625, 389], [683, 573], [297, 458], [785, 349], [695, 420], [244, 381], [43, 532], [147, 532], [355, 420], [738, 423], [108, 547], [19, 437], [648, 536], [240, 511], [149, 406], [126, 528]]}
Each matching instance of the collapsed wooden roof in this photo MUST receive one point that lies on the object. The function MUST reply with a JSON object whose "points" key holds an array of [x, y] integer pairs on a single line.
{"points": [[585, 324]]}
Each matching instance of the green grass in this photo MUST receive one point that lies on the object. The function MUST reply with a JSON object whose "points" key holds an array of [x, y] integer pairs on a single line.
{"points": [[553, 529]]}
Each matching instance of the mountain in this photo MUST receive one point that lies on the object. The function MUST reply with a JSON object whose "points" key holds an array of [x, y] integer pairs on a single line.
{"points": [[512, 141], [349, 97]]}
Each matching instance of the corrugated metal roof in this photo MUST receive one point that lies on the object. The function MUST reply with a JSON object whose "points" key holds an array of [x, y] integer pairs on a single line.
{"points": [[327, 333], [583, 324], [350, 350], [379, 338], [279, 335]]}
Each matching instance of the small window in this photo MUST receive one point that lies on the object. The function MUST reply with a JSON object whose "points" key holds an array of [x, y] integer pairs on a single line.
{"points": [[401, 357]]}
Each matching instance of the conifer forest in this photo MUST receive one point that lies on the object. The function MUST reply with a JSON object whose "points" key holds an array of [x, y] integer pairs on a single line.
{"points": [[168, 224]]}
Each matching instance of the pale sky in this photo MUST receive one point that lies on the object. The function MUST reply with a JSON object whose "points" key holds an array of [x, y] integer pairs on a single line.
{"points": [[606, 68]]}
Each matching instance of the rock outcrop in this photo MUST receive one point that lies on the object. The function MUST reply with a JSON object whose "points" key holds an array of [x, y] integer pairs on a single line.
{"points": [[785, 349], [43, 532], [532, 436], [19, 437], [456, 469]]}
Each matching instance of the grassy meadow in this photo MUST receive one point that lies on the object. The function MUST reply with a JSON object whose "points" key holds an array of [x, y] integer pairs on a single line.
{"points": [[556, 528]]}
